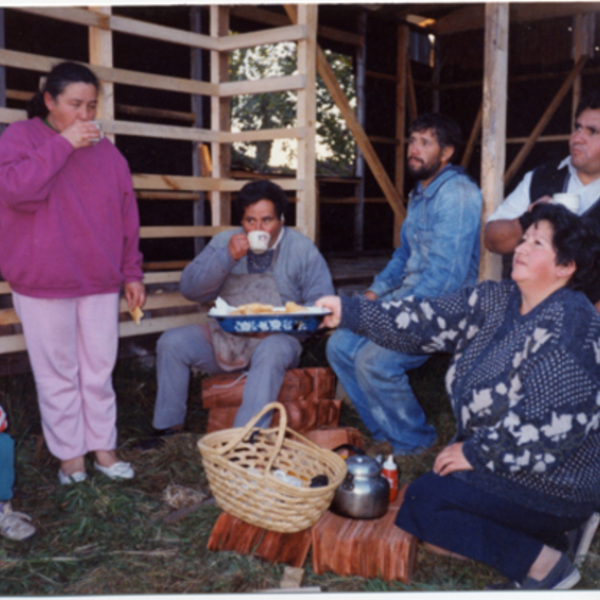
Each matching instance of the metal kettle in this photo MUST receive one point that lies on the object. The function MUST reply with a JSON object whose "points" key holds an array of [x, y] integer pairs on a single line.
{"points": [[365, 492]]}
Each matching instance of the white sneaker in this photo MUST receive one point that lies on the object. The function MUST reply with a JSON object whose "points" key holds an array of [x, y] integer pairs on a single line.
{"points": [[76, 477], [15, 525], [119, 470]]}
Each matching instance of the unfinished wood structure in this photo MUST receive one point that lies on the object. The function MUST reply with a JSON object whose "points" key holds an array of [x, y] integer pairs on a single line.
{"points": [[479, 88]]}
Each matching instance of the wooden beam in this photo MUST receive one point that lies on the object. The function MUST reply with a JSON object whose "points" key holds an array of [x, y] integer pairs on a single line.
{"points": [[173, 195], [267, 85], [475, 131], [472, 17], [493, 151], [101, 54], [257, 135], [220, 117], [144, 181], [413, 111], [182, 231], [306, 207], [81, 16], [43, 64], [290, 33], [583, 45], [334, 88], [526, 149], [268, 17]]}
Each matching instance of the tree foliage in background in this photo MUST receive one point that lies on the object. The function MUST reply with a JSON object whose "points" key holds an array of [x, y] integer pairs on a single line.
{"points": [[335, 146]]}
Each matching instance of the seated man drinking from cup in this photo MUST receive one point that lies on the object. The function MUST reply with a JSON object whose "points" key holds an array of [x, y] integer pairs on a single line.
{"points": [[573, 182], [264, 262]]}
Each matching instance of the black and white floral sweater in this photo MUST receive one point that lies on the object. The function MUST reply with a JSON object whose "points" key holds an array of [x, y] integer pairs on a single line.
{"points": [[525, 389]]}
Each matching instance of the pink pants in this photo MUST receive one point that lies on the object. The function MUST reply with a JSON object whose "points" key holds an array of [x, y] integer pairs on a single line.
{"points": [[72, 345]]}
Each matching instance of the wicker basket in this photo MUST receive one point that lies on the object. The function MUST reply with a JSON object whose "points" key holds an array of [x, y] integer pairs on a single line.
{"points": [[239, 464]]}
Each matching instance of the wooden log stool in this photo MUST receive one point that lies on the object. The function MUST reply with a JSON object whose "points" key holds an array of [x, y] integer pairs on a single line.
{"points": [[307, 394], [365, 547]]}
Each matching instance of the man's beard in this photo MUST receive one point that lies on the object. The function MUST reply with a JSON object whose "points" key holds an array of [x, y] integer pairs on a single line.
{"points": [[424, 172]]}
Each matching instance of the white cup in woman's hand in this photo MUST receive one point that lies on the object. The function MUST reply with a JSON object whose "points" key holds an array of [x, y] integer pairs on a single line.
{"points": [[259, 241]]}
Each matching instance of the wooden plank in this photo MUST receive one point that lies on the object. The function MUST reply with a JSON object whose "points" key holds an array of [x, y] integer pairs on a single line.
{"points": [[148, 181], [163, 300], [259, 135], [157, 324], [8, 316], [475, 131], [10, 115], [156, 113], [290, 33], [220, 116], [193, 196], [413, 110], [306, 207], [493, 151], [268, 17], [376, 75], [267, 85], [34, 62], [162, 277], [100, 50], [12, 343], [165, 264], [178, 231], [583, 45], [173, 132], [472, 17], [549, 112], [4, 287], [127, 25]]}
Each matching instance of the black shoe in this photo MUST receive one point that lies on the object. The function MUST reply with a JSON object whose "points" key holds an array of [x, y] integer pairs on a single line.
{"points": [[563, 576], [157, 440]]}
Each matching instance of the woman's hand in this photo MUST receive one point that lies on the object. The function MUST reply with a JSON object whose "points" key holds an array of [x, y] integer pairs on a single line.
{"points": [[81, 134], [135, 294], [450, 459], [334, 304]]}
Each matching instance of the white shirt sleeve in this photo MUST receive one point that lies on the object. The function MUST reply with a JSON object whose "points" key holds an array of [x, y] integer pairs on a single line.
{"points": [[517, 203]]}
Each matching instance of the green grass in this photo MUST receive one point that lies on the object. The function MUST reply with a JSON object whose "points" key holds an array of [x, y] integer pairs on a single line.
{"points": [[104, 537]]}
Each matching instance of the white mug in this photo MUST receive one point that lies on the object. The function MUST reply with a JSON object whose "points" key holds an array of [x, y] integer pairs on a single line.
{"points": [[96, 140], [570, 201], [259, 241]]}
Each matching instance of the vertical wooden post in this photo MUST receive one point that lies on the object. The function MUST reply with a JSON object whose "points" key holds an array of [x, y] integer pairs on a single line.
{"points": [[197, 109], [101, 54], [306, 210], [436, 76], [493, 151], [583, 45], [220, 116], [402, 58], [361, 76]]}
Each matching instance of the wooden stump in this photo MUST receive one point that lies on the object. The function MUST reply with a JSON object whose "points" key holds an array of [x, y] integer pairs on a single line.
{"points": [[369, 548], [307, 394], [231, 533]]}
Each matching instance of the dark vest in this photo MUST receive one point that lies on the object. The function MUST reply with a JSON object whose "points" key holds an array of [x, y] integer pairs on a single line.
{"points": [[547, 180]]}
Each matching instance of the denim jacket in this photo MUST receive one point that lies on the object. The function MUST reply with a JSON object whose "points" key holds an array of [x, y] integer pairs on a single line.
{"points": [[439, 240]]}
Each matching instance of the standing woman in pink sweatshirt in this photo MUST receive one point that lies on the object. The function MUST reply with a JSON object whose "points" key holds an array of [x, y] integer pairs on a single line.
{"points": [[69, 232]]}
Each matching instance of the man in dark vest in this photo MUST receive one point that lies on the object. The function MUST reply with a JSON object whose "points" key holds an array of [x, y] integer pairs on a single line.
{"points": [[579, 173]]}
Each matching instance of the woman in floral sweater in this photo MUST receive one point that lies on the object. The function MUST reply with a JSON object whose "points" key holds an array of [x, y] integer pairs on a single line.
{"points": [[524, 383]]}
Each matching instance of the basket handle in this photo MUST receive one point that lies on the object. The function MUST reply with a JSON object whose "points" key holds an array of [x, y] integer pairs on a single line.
{"points": [[243, 431]]}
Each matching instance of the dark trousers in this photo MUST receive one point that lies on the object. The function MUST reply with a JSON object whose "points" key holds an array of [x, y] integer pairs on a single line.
{"points": [[458, 517]]}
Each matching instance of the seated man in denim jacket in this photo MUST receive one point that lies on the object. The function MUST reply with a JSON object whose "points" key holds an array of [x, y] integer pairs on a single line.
{"points": [[438, 253]]}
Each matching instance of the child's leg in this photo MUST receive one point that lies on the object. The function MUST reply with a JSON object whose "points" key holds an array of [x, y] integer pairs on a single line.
{"points": [[7, 467]]}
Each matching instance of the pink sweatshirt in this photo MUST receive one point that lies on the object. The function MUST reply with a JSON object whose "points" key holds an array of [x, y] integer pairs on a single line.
{"points": [[69, 223]]}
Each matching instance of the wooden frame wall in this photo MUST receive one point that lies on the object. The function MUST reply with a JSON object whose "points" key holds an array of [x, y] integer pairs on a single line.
{"points": [[101, 24]]}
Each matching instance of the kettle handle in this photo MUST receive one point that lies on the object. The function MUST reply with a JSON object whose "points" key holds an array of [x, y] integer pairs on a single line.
{"points": [[349, 447]]}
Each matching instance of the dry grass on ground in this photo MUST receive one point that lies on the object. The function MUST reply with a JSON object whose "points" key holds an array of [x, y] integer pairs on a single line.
{"points": [[103, 537]]}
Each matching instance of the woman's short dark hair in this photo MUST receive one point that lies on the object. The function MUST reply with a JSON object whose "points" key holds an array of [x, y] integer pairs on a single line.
{"points": [[55, 83], [447, 130], [262, 189], [575, 239]]}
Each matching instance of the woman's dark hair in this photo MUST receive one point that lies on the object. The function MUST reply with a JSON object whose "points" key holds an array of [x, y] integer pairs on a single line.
{"points": [[262, 189], [447, 130], [576, 239], [56, 81]]}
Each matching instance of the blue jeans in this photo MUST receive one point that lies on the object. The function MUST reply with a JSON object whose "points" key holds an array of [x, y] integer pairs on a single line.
{"points": [[375, 379], [456, 516], [7, 467]]}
